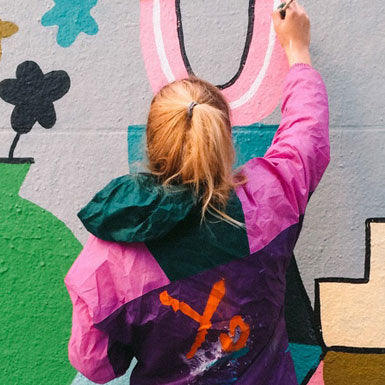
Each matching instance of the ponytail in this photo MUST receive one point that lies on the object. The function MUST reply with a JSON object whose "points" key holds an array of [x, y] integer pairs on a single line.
{"points": [[189, 141]]}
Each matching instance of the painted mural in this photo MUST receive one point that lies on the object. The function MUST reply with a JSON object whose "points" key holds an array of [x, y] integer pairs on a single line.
{"points": [[72, 73]]}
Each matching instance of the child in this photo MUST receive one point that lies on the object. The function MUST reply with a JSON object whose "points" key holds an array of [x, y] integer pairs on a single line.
{"points": [[185, 267]]}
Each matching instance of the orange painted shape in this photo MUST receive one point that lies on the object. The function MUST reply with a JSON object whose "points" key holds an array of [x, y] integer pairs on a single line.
{"points": [[227, 342], [216, 295], [176, 305], [7, 29], [200, 338]]}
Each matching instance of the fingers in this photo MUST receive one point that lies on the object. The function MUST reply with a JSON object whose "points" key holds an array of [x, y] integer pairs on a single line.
{"points": [[276, 16], [295, 7]]}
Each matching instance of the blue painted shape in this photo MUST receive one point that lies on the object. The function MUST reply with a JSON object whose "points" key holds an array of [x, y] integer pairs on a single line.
{"points": [[306, 358], [249, 142], [72, 17]]}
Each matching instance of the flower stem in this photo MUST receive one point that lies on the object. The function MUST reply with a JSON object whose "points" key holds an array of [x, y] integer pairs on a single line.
{"points": [[13, 145]]}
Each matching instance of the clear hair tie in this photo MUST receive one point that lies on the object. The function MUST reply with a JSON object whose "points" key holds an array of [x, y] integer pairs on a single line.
{"points": [[190, 109]]}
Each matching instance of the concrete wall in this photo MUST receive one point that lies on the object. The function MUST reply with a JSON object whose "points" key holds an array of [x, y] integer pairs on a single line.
{"points": [[107, 66]]}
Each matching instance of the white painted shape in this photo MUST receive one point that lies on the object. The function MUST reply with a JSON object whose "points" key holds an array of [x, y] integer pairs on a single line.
{"points": [[160, 43]]}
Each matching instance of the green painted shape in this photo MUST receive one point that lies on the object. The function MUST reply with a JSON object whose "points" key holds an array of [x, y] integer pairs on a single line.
{"points": [[36, 251], [306, 358], [249, 142]]}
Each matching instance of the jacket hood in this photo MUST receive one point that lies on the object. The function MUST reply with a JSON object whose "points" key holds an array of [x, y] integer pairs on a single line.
{"points": [[136, 208]]}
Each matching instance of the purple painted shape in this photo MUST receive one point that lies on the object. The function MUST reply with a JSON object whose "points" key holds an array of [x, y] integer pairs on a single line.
{"points": [[104, 277], [160, 338], [280, 183]]}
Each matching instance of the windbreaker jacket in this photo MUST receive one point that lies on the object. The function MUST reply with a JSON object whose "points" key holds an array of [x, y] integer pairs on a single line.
{"points": [[199, 304]]}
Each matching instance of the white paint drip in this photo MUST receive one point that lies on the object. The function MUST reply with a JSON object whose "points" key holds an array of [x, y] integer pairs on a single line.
{"points": [[160, 43], [200, 363]]}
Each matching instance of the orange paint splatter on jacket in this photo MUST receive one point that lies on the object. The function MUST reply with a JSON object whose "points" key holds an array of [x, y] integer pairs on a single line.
{"points": [[216, 295]]}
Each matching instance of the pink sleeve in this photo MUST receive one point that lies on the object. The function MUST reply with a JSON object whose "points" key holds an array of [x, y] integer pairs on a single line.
{"points": [[105, 276], [300, 151], [87, 348]]}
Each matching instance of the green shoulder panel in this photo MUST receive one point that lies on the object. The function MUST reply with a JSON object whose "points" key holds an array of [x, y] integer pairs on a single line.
{"points": [[190, 248]]}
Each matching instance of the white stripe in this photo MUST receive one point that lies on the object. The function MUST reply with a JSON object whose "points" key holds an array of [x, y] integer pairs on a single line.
{"points": [[257, 82], [159, 42]]}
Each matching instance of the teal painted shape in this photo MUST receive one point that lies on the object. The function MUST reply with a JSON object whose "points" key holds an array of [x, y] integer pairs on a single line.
{"points": [[230, 357], [124, 380], [306, 358], [136, 148], [72, 17], [249, 142]]}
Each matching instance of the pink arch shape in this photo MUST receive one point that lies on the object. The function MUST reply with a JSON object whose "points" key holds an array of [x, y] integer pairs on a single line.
{"points": [[256, 92]]}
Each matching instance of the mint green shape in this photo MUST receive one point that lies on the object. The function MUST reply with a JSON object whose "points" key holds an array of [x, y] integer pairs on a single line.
{"points": [[36, 251], [306, 358], [72, 17], [249, 142]]}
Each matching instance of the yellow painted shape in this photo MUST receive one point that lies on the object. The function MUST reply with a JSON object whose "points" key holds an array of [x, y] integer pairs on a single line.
{"points": [[353, 314], [7, 29], [354, 369]]}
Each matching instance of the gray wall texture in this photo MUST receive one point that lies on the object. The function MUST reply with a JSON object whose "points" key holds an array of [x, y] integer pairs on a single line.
{"points": [[110, 91]]}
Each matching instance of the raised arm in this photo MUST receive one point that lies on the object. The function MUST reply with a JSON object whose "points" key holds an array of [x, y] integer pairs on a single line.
{"points": [[300, 150]]}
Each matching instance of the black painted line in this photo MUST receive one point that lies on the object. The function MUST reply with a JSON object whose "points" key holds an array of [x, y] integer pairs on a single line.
{"points": [[308, 306], [17, 160], [317, 302], [349, 349], [249, 37], [13, 145], [311, 312]]}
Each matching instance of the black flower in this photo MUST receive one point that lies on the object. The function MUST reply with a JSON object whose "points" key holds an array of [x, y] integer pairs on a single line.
{"points": [[33, 94]]}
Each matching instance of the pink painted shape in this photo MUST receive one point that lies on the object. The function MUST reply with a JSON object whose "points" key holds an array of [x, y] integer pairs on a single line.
{"points": [[171, 41], [147, 38], [279, 184], [318, 376], [105, 276], [259, 43], [264, 100]]}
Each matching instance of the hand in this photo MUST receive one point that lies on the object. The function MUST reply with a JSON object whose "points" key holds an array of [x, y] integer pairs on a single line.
{"points": [[293, 33]]}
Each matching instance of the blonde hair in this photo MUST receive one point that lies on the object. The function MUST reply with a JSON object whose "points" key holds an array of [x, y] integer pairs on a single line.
{"points": [[193, 144]]}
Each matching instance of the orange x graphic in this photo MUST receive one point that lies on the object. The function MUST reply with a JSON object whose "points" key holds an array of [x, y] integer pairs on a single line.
{"points": [[217, 293]]}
